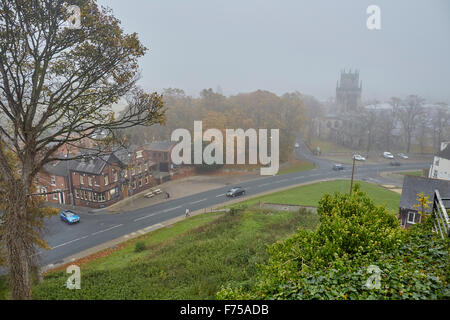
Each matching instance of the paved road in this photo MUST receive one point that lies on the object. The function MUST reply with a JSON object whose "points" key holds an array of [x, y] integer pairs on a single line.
{"points": [[93, 230]]}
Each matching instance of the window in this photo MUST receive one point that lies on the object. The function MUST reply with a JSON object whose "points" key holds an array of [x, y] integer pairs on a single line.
{"points": [[81, 179], [90, 181], [436, 163], [77, 195], [106, 179], [139, 154], [146, 179], [413, 217], [125, 174], [132, 171], [53, 180], [95, 197], [435, 174], [140, 183], [116, 176], [101, 197], [145, 165], [139, 168], [55, 195]]}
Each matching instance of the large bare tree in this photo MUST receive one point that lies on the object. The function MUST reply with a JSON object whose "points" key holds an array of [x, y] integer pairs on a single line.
{"points": [[409, 113], [57, 86]]}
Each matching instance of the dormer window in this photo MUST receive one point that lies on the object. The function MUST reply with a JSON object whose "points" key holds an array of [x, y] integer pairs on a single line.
{"points": [[53, 180]]}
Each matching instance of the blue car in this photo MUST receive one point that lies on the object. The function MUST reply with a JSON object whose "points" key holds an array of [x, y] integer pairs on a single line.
{"points": [[69, 217]]}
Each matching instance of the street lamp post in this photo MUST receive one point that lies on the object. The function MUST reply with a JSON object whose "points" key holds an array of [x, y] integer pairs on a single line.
{"points": [[353, 173]]}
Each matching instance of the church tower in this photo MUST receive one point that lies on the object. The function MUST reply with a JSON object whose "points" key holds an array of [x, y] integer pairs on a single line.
{"points": [[348, 91]]}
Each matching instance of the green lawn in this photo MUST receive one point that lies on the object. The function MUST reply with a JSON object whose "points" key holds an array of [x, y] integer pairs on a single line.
{"points": [[297, 167], [412, 173], [309, 195], [190, 260]]}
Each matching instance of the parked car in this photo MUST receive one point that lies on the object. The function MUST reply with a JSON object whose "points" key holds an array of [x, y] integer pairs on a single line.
{"points": [[338, 167], [388, 155], [236, 191], [395, 163], [402, 155], [359, 157], [69, 217]]}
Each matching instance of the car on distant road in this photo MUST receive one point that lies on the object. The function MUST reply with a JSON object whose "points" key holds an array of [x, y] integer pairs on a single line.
{"points": [[297, 145], [69, 217], [402, 155], [338, 167], [395, 163], [235, 191], [388, 155], [359, 157]]}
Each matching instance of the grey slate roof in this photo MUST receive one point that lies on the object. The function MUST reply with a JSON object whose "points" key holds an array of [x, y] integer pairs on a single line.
{"points": [[95, 166], [160, 145], [414, 185], [444, 153]]}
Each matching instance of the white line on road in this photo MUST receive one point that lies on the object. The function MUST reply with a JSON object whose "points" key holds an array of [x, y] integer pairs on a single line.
{"points": [[198, 201], [119, 225], [170, 209], [68, 242], [219, 195], [147, 216], [265, 184]]}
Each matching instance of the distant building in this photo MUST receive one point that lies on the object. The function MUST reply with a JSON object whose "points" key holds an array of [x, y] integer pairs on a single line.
{"points": [[412, 187], [54, 180], [160, 154], [96, 181], [348, 92], [440, 169]]}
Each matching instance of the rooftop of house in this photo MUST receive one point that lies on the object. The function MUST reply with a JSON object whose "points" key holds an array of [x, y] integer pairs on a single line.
{"points": [[412, 186], [444, 153], [94, 165], [160, 146]]}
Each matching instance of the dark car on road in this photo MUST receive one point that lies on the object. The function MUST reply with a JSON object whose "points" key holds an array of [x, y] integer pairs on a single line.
{"points": [[69, 217], [236, 191], [338, 167], [395, 163]]}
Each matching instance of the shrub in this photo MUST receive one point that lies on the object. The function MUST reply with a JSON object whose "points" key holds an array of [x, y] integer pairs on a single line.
{"points": [[333, 261], [139, 246]]}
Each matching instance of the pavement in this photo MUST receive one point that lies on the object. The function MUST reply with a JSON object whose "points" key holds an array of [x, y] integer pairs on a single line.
{"points": [[95, 231]]}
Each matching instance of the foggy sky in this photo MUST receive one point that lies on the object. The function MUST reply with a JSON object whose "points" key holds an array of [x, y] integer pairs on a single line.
{"points": [[284, 45]]}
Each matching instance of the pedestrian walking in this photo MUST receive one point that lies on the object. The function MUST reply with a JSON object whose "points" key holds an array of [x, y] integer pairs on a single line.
{"points": [[187, 213]]}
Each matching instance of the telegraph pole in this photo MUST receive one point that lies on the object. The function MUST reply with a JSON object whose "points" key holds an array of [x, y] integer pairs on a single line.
{"points": [[353, 174]]}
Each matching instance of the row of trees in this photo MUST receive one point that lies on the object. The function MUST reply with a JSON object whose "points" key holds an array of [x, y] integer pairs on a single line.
{"points": [[259, 109], [406, 123]]}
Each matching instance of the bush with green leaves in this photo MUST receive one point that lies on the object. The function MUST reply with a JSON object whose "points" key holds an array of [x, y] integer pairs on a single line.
{"points": [[332, 262], [139, 246]]}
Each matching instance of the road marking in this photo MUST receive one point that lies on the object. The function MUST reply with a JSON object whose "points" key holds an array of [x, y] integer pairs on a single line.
{"points": [[220, 195], [265, 184], [198, 201], [69, 242], [170, 209], [297, 178], [119, 225], [147, 216]]}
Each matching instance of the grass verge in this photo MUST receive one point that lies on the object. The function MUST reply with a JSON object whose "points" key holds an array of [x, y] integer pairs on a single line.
{"points": [[190, 260], [309, 195]]}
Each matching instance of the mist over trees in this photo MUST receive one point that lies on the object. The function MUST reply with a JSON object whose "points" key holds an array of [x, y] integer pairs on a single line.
{"points": [[259, 109]]}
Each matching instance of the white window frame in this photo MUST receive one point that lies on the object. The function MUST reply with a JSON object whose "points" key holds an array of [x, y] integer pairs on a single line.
{"points": [[53, 180], [414, 217]]}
